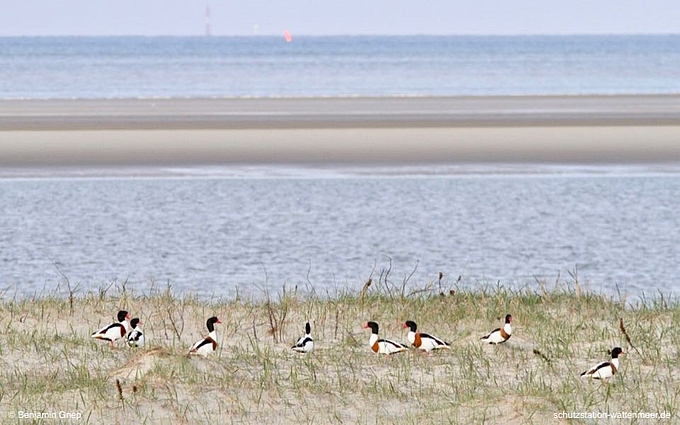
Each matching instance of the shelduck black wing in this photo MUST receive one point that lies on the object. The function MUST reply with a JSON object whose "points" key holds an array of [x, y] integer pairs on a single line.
{"points": [[594, 369], [303, 341], [110, 327], [202, 343], [489, 334], [437, 340], [393, 343], [135, 335]]}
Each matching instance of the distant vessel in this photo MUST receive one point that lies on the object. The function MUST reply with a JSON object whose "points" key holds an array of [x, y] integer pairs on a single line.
{"points": [[287, 36]]}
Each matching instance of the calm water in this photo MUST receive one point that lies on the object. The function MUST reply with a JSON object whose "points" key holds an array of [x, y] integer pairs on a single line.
{"points": [[221, 230], [108, 67]]}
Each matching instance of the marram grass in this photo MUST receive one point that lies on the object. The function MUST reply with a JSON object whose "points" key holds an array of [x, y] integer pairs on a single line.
{"points": [[49, 363]]}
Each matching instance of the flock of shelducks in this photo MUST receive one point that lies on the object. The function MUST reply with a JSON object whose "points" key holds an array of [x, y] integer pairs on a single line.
{"points": [[132, 333]]}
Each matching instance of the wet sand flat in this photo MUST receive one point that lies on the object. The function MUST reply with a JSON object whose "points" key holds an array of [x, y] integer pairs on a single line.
{"points": [[340, 130]]}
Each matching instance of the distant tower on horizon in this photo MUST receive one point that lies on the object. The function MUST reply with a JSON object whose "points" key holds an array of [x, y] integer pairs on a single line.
{"points": [[207, 21]]}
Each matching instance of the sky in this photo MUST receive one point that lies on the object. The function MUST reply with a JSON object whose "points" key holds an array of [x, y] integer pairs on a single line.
{"points": [[351, 17]]}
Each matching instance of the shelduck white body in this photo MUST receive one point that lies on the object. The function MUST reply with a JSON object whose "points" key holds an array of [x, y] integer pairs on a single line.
{"points": [[423, 341], [114, 331], [500, 335], [306, 343], [207, 345], [382, 346], [135, 337], [605, 369]]}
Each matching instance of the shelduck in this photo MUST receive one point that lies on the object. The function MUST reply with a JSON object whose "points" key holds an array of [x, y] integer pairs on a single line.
{"points": [[114, 331], [382, 346], [135, 338], [423, 341], [207, 345], [305, 344], [605, 369], [500, 335]]}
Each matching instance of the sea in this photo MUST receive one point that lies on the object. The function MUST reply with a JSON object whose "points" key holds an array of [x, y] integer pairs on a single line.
{"points": [[255, 231], [176, 67]]}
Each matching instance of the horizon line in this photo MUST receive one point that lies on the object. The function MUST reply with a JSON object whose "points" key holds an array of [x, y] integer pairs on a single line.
{"points": [[197, 35]]}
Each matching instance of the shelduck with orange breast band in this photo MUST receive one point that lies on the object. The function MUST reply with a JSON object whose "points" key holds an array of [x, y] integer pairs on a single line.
{"points": [[423, 341], [605, 369], [207, 345], [382, 346], [500, 335]]}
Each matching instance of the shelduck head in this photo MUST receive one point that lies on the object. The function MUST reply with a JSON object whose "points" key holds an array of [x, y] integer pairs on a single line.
{"points": [[210, 323], [411, 325], [134, 322], [616, 352], [308, 329], [508, 318], [123, 315], [373, 326]]}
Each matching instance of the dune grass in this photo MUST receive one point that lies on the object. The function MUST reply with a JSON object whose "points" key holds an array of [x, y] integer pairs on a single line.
{"points": [[49, 363]]}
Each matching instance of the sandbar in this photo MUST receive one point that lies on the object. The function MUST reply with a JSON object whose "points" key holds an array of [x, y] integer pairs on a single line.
{"points": [[353, 130]]}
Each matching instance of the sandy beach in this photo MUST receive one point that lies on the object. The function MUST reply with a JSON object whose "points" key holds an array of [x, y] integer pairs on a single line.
{"points": [[408, 130], [254, 376]]}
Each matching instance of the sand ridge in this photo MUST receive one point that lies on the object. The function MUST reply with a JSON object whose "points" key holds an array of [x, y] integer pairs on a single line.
{"points": [[566, 129]]}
